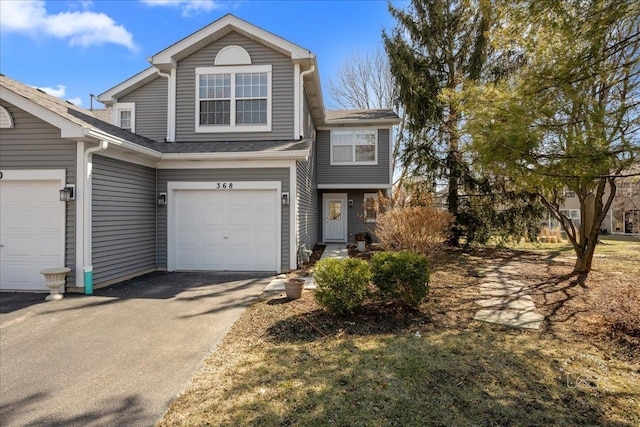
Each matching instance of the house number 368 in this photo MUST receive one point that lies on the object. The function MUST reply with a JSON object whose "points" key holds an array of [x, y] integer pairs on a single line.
{"points": [[224, 185]]}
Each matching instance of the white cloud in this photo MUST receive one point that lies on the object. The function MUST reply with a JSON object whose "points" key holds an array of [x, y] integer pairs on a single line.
{"points": [[189, 7], [59, 91], [80, 28], [77, 101]]}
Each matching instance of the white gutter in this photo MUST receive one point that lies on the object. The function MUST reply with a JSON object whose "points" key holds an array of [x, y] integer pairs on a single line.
{"points": [[87, 202], [171, 107], [301, 115]]}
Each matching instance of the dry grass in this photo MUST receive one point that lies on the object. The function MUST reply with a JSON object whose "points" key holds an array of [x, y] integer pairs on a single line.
{"points": [[289, 363]]}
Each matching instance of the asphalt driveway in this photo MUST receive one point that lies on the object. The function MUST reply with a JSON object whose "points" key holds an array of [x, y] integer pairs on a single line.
{"points": [[117, 357]]}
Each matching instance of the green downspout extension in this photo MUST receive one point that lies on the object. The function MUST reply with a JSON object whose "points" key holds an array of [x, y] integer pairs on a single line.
{"points": [[88, 280]]}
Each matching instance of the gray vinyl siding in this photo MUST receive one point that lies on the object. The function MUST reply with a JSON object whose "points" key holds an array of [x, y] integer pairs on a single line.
{"points": [[222, 175], [353, 174], [282, 91], [355, 213], [124, 219], [308, 123], [307, 195], [35, 144], [151, 108]]}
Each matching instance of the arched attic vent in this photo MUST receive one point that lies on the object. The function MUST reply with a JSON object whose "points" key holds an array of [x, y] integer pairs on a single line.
{"points": [[232, 55], [6, 121]]}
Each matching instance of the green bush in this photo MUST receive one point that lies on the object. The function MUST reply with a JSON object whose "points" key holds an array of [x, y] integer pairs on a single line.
{"points": [[402, 276], [341, 284]]}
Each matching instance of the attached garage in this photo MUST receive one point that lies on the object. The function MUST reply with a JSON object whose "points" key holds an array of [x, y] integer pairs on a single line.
{"points": [[32, 227], [224, 226]]}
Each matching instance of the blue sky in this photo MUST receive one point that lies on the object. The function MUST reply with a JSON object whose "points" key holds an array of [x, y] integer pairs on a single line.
{"points": [[75, 48]]}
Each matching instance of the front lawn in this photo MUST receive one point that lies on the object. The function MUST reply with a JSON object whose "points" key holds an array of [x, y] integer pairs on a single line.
{"points": [[289, 363]]}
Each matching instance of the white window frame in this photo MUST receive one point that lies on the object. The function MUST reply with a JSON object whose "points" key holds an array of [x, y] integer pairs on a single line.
{"points": [[354, 161], [569, 194], [125, 106], [233, 70], [366, 196], [569, 214]]}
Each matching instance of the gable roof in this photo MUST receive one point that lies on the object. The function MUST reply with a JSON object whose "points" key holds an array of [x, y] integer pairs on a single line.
{"points": [[168, 57], [74, 122], [79, 124]]}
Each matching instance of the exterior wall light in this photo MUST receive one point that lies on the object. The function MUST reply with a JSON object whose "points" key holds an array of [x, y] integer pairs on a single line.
{"points": [[162, 199], [285, 199], [68, 193]]}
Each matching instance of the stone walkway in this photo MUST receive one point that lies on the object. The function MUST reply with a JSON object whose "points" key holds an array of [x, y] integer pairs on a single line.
{"points": [[332, 250], [506, 302]]}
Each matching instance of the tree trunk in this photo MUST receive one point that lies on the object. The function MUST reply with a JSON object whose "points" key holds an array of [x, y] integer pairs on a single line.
{"points": [[585, 259]]}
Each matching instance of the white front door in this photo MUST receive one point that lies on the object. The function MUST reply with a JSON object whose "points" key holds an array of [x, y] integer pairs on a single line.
{"points": [[334, 207], [32, 224]]}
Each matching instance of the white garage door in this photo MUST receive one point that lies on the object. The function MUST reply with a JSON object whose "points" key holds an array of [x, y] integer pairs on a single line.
{"points": [[226, 230], [31, 232]]}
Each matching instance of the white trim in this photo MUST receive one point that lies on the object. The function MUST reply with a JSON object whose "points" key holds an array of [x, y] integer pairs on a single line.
{"points": [[378, 123], [251, 155], [110, 96], [34, 174], [166, 56], [173, 186], [354, 186], [80, 193], [391, 141], [124, 106], [344, 213], [224, 164], [171, 108], [354, 162], [297, 122], [232, 55], [233, 127], [6, 119], [293, 216]]}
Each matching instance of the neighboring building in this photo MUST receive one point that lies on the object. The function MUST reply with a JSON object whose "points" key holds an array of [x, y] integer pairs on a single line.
{"points": [[219, 156], [623, 216]]}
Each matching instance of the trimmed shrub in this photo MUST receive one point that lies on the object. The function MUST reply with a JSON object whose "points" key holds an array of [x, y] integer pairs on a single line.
{"points": [[341, 284], [401, 276]]}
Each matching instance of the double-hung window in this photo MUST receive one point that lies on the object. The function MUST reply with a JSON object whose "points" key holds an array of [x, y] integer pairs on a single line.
{"points": [[233, 99], [125, 115], [354, 147], [370, 207]]}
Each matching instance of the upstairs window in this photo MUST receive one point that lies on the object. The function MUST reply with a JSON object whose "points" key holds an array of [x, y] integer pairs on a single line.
{"points": [[354, 147], [233, 99], [125, 115]]}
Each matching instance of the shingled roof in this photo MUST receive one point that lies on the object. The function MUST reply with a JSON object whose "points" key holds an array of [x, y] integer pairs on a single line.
{"points": [[94, 120], [370, 116]]}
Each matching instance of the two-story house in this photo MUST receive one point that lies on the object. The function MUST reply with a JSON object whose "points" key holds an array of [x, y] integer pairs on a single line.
{"points": [[219, 156]]}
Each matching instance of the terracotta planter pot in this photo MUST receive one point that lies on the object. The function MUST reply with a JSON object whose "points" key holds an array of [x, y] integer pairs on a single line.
{"points": [[293, 288]]}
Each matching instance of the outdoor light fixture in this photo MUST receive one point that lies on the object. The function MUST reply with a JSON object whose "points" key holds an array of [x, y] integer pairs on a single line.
{"points": [[162, 199], [68, 193], [285, 199], [350, 203]]}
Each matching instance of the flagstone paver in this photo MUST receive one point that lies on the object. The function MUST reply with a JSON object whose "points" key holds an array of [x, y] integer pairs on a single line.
{"points": [[506, 301]]}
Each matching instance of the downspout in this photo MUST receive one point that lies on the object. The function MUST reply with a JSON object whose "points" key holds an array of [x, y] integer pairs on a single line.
{"points": [[170, 104], [302, 74], [88, 201]]}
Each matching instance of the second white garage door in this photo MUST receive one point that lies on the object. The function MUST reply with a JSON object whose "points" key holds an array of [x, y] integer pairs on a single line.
{"points": [[226, 230]]}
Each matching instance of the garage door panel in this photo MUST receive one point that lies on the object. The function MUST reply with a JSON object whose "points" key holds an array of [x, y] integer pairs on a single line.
{"points": [[32, 227], [236, 230]]}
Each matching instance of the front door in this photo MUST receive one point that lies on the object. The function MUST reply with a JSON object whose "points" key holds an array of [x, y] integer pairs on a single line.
{"points": [[335, 217]]}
